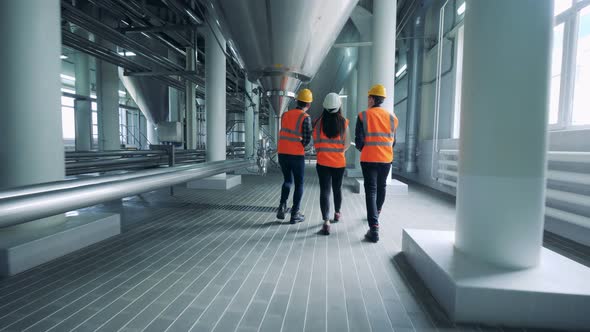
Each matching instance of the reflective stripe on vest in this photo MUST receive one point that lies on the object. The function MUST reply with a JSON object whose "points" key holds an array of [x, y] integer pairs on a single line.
{"points": [[330, 151], [379, 126], [290, 135]]}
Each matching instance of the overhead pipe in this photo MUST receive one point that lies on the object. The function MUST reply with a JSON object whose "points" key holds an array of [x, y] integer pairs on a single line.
{"points": [[78, 17], [22, 209], [100, 52], [414, 93]]}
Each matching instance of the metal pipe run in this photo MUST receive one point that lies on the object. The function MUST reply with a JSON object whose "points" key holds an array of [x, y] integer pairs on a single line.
{"points": [[21, 209]]}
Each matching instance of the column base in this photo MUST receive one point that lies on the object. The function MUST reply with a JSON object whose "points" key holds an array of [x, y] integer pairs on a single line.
{"points": [[222, 181], [23, 249], [396, 187], [555, 294]]}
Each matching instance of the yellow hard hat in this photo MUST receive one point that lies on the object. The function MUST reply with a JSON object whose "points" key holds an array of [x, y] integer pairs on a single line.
{"points": [[305, 96], [378, 90]]}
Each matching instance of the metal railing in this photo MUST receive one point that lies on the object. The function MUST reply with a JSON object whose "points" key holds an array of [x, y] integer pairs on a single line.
{"points": [[46, 200]]}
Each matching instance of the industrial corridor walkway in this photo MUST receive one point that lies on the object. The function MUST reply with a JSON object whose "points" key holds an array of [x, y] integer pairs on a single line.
{"points": [[221, 261]]}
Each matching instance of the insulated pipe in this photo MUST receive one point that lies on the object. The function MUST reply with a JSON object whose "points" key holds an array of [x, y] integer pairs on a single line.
{"points": [[215, 95], [191, 102], [414, 94], [501, 183], [30, 111], [256, 101], [352, 111], [18, 210]]}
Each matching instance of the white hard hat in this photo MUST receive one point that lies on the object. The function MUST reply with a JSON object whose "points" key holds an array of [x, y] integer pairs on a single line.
{"points": [[332, 102]]}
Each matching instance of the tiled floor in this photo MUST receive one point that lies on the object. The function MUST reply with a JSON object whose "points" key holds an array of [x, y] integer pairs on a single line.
{"points": [[220, 261]]}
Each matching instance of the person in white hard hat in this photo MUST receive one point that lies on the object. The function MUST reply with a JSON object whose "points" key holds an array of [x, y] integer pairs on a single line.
{"points": [[331, 139]]}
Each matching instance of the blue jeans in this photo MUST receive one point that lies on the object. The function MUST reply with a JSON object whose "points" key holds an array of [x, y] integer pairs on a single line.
{"points": [[375, 175], [293, 168]]}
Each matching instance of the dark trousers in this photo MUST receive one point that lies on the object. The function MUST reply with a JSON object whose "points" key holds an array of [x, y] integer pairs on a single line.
{"points": [[375, 175], [293, 168], [330, 178]]}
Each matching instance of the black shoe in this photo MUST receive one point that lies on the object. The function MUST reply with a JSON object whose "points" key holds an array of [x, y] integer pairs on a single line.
{"points": [[372, 235], [281, 211], [326, 229], [337, 217], [297, 217]]}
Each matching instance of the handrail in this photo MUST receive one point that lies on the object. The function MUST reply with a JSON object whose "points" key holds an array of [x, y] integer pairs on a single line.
{"points": [[22, 209]]}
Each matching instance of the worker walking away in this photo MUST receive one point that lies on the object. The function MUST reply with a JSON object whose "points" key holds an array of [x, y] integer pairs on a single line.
{"points": [[294, 136], [331, 139], [375, 138]]}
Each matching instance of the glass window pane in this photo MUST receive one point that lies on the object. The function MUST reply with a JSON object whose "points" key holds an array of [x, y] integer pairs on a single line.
{"points": [[68, 123], [556, 59], [561, 6], [67, 101], [94, 106], [94, 118], [581, 109]]}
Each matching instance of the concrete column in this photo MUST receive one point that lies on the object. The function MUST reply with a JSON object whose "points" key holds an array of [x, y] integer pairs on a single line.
{"points": [[107, 86], [352, 111], [249, 122], [501, 184], [191, 103], [383, 64], [83, 110], [30, 129], [215, 95], [363, 86], [173, 94]]}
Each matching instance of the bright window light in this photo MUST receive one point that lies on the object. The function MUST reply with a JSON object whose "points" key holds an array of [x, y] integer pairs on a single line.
{"points": [[63, 56], [68, 90], [461, 9], [122, 93], [401, 71], [67, 78], [126, 53]]}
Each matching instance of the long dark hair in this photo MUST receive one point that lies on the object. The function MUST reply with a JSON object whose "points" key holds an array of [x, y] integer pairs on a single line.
{"points": [[333, 124]]}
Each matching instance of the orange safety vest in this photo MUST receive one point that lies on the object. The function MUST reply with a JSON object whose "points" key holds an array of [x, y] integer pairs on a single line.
{"points": [[379, 126], [330, 151], [290, 135]]}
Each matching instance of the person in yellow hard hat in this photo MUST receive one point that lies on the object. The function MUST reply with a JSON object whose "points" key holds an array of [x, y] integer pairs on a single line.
{"points": [[375, 138], [294, 136]]}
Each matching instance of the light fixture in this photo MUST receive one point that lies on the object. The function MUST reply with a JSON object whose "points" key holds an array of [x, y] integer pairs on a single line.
{"points": [[461, 9], [126, 53], [63, 56], [67, 78], [401, 71]]}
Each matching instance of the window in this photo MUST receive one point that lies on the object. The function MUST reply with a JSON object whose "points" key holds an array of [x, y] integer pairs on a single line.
{"points": [[581, 103], [560, 6], [556, 62], [570, 68], [68, 122], [458, 83]]}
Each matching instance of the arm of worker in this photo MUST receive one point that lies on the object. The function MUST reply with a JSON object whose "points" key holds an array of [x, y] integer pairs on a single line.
{"points": [[359, 134], [347, 139], [306, 131]]}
